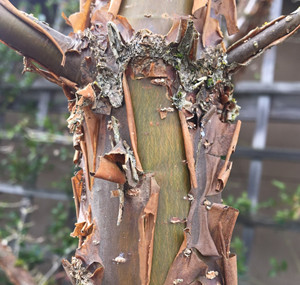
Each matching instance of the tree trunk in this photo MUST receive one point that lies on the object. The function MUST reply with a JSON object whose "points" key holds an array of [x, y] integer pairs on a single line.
{"points": [[152, 116]]}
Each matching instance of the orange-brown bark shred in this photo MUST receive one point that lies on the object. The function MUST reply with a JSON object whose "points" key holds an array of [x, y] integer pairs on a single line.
{"points": [[109, 171], [226, 8], [146, 226], [114, 7], [225, 171], [81, 20], [77, 184], [204, 255], [209, 225], [189, 267], [131, 122], [189, 152]]}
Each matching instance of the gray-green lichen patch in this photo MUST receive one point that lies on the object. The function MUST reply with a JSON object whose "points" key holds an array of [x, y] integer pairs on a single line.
{"points": [[78, 273], [113, 54], [108, 74]]}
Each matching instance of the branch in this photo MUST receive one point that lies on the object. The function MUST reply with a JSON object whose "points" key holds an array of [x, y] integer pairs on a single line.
{"points": [[17, 275], [258, 40], [38, 41]]}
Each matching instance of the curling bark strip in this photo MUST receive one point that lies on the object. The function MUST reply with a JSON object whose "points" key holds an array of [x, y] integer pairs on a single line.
{"points": [[131, 122], [188, 145], [126, 213]]}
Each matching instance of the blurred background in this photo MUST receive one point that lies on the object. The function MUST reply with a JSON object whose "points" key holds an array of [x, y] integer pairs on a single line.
{"points": [[36, 205]]}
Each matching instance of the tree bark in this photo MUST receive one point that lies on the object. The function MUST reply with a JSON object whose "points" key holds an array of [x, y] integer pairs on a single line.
{"points": [[151, 113]]}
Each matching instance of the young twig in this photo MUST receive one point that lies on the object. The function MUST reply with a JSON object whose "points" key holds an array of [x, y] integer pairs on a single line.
{"points": [[260, 39]]}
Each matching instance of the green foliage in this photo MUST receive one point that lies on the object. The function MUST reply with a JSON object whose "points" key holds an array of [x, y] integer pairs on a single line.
{"points": [[48, 10], [69, 7], [280, 185], [59, 232], [11, 220], [290, 212], [30, 256], [3, 279], [242, 203], [10, 70], [24, 164], [27, 156], [277, 267], [32, 252], [238, 247], [49, 126], [179, 55], [15, 231], [63, 184], [291, 202]]}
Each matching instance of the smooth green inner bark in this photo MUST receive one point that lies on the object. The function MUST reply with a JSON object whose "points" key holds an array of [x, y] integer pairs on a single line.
{"points": [[161, 151]]}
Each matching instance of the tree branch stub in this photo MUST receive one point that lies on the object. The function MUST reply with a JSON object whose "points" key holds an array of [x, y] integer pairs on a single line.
{"points": [[260, 39]]}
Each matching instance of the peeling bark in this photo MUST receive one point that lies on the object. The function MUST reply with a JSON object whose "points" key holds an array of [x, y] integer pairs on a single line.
{"points": [[258, 40], [131, 122], [188, 145], [146, 226], [152, 115], [34, 40]]}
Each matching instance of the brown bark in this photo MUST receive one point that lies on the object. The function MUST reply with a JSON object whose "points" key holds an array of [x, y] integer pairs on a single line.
{"points": [[258, 40], [148, 197], [41, 43]]}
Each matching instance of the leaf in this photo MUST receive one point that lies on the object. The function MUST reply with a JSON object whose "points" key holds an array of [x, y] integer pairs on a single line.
{"points": [[277, 267], [279, 184]]}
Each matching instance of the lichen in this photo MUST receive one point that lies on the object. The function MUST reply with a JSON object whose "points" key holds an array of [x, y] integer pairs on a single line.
{"points": [[112, 55], [79, 273]]}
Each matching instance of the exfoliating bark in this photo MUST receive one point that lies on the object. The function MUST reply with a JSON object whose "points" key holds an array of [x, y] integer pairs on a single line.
{"points": [[153, 116]]}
